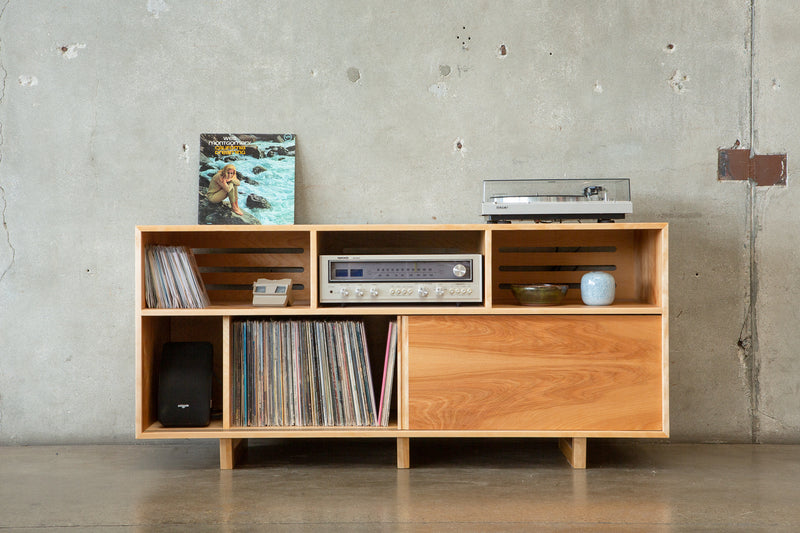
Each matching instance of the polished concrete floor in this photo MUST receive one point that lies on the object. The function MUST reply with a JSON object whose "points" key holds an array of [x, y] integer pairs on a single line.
{"points": [[353, 485]]}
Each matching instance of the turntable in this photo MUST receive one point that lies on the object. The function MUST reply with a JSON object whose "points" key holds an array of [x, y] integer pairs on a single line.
{"points": [[556, 200]]}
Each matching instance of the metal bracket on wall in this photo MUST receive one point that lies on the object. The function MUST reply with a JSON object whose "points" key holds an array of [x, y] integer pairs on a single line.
{"points": [[738, 164]]}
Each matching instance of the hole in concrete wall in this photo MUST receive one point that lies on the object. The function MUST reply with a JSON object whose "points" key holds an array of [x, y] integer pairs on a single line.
{"points": [[669, 48], [444, 70], [71, 51], [502, 51], [353, 74], [464, 38]]}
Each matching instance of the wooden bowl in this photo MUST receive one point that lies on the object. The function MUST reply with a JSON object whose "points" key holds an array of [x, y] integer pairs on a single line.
{"points": [[539, 293]]}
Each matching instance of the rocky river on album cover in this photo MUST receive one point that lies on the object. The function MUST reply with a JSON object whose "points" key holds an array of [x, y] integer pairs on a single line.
{"points": [[265, 170]]}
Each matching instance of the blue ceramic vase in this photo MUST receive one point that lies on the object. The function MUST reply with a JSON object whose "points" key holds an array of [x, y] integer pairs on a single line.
{"points": [[597, 288]]}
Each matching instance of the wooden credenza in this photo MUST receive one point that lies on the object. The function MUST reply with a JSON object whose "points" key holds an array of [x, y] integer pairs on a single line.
{"points": [[488, 369]]}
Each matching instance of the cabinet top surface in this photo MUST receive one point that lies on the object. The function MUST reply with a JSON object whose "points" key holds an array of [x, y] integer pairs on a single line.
{"points": [[410, 227]]}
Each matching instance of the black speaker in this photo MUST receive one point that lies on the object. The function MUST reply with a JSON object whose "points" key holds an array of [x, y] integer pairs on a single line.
{"points": [[184, 384]]}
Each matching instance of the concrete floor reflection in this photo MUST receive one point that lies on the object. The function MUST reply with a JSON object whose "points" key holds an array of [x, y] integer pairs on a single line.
{"points": [[453, 485]]}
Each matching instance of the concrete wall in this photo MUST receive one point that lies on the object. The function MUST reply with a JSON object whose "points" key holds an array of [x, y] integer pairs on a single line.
{"points": [[102, 105]]}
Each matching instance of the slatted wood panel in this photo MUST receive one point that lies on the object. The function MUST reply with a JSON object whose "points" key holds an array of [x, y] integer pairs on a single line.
{"points": [[401, 241], [563, 257], [548, 373]]}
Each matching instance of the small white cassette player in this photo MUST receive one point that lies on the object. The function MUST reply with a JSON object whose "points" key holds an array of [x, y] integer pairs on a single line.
{"points": [[395, 278]]}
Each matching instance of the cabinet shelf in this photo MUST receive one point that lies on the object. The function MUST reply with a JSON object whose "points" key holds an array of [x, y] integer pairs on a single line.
{"points": [[216, 431], [618, 308], [488, 369], [238, 310]]}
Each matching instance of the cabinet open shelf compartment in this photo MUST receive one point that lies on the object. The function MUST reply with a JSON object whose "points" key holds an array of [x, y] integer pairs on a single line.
{"points": [[635, 257], [434, 364], [231, 260], [153, 332], [306, 371]]}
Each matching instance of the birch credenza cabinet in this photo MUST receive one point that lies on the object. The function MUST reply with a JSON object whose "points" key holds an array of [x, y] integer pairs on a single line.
{"points": [[488, 369]]}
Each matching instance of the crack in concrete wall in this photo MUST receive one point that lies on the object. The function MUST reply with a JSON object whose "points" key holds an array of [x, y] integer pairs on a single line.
{"points": [[6, 230]]}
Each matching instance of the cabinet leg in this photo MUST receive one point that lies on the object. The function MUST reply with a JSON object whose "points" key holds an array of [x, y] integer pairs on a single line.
{"points": [[403, 452], [230, 451], [574, 449]]}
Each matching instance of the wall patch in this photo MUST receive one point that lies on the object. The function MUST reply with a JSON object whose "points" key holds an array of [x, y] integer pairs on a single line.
{"points": [[678, 82], [156, 7], [28, 81], [439, 90]]}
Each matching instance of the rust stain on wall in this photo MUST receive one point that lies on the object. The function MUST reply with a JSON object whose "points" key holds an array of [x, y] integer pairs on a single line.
{"points": [[737, 164]]}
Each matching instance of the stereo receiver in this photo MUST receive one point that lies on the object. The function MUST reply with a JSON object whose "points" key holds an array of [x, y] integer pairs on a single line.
{"points": [[396, 278]]}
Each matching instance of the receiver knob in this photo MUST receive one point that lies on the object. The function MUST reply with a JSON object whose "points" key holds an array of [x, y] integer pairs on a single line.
{"points": [[423, 291], [459, 270], [373, 291], [439, 291], [344, 292], [359, 292]]}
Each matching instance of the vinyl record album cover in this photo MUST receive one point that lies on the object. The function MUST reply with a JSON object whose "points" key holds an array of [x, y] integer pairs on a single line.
{"points": [[246, 178]]}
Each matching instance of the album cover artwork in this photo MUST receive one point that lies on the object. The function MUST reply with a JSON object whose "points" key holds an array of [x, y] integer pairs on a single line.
{"points": [[246, 178]]}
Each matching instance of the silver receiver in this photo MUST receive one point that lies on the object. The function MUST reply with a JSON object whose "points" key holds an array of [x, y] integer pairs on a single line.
{"points": [[379, 279]]}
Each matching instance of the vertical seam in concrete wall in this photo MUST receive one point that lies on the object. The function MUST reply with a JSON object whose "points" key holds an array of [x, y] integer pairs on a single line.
{"points": [[4, 73], [753, 367]]}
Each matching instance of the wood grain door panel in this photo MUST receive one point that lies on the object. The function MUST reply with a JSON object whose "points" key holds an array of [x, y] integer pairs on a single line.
{"points": [[535, 372]]}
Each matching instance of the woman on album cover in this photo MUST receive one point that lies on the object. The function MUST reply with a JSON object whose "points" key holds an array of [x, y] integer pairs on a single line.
{"points": [[223, 185]]}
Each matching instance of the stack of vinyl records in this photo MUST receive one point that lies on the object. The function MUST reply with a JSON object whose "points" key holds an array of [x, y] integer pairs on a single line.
{"points": [[172, 279], [302, 373]]}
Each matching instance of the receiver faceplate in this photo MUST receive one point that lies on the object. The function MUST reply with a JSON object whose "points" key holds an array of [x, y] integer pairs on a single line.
{"points": [[423, 278]]}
